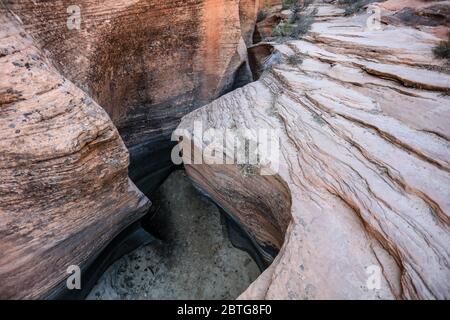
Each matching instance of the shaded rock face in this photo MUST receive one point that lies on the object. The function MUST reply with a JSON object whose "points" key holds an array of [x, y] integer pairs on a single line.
{"points": [[419, 14], [147, 63], [64, 191], [193, 260], [364, 149], [263, 206], [264, 27]]}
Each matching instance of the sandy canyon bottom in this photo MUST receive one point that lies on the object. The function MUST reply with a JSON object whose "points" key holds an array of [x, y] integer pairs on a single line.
{"points": [[194, 258]]}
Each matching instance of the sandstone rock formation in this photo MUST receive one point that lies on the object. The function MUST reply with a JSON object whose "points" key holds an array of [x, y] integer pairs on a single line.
{"points": [[64, 190], [362, 116], [147, 63], [363, 182]]}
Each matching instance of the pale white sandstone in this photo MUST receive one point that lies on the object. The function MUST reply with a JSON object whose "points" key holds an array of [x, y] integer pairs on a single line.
{"points": [[364, 130]]}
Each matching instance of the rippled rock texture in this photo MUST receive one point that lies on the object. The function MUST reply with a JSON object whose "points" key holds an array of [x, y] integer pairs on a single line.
{"points": [[362, 117], [147, 63], [363, 182], [65, 191]]}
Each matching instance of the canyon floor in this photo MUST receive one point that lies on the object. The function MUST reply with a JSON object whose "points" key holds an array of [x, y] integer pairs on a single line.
{"points": [[195, 260]]}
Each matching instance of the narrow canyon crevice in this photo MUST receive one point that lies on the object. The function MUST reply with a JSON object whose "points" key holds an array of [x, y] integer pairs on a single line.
{"points": [[355, 158], [192, 257], [146, 63], [87, 115], [200, 249]]}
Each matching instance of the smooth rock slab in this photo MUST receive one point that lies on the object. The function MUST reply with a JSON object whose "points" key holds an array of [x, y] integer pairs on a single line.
{"points": [[363, 158]]}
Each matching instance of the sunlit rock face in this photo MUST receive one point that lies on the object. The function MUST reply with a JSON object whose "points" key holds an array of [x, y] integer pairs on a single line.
{"points": [[64, 186], [359, 205], [362, 186], [64, 165], [147, 63]]}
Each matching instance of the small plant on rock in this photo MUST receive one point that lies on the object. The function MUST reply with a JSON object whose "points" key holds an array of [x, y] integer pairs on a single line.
{"points": [[286, 4], [354, 6], [294, 60], [298, 23], [442, 51], [262, 14]]}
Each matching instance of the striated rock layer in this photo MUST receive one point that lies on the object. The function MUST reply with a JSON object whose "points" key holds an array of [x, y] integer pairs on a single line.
{"points": [[147, 63], [64, 190], [363, 182]]}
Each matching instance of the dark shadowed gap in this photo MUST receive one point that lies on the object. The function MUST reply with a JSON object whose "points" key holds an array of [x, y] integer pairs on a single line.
{"points": [[192, 258]]}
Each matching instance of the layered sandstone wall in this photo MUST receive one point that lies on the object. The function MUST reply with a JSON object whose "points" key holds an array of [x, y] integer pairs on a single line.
{"points": [[362, 184], [363, 181], [64, 190], [147, 63]]}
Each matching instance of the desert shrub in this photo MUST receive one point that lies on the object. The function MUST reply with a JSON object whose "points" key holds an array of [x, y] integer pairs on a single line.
{"points": [[283, 29], [294, 60], [354, 6], [286, 4], [298, 23], [276, 58], [442, 50], [262, 14], [303, 23]]}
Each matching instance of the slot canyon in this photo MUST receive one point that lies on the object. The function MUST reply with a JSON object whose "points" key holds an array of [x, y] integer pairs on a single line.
{"points": [[97, 99]]}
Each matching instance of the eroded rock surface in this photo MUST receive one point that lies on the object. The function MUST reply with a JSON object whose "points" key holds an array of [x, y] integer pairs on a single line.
{"points": [[363, 124], [363, 121], [64, 190], [147, 63]]}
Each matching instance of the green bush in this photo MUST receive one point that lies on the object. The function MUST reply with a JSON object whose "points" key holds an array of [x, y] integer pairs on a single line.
{"points": [[283, 29], [442, 51], [286, 4], [294, 60], [262, 14], [353, 6], [298, 23]]}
